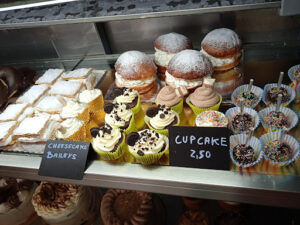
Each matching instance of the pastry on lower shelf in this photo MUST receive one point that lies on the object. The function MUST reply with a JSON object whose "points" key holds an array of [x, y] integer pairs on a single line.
{"points": [[120, 116], [231, 218], [75, 109], [50, 76], [51, 104], [71, 129], [172, 97], [108, 142], [15, 201], [12, 112], [32, 95], [194, 217], [135, 70], [6, 130], [204, 98], [230, 206], [211, 119], [223, 47], [187, 69], [166, 46], [66, 204], [160, 118], [132, 208], [132, 99], [193, 203], [147, 146]]}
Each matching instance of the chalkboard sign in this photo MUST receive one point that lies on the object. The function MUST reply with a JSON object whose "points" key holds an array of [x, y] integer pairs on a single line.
{"points": [[199, 147], [64, 159]]}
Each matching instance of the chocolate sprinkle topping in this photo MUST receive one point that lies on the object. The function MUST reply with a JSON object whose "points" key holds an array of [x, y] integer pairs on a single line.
{"points": [[139, 152]]}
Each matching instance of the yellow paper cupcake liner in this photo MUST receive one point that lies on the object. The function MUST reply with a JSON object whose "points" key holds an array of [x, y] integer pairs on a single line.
{"points": [[131, 127], [149, 159], [112, 155], [161, 131], [139, 119], [85, 115], [198, 110], [137, 108], [98, 117], [79, 135], [178, 107], [96, 105]]}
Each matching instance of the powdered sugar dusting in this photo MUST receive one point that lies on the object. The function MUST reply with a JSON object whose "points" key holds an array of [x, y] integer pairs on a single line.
{"points": [[129, 62], [188, 61], [172, 42], [222, 38]]}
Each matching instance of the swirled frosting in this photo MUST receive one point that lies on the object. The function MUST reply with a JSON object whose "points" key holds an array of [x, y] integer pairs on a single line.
{"points": [[163, 118], [107, 138], [126, 96], [149, 142], [119, 116], [68, 127], [72, 109], [205, 96], [89, 95], [167, 96], [120, 207]]}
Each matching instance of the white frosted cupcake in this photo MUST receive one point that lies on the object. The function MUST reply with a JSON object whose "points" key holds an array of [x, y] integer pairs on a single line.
{"points": [[75, 109]]}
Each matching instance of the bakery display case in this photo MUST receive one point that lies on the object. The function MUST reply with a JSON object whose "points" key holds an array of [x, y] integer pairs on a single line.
{"points": [[41, 45]]}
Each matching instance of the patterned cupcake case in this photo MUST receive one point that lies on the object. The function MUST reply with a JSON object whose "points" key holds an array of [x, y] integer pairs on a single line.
{"points": [[257, 91], [294, 73]]}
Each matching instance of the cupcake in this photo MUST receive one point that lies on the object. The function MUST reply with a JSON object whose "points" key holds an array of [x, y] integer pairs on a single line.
{"points": [[95, 101], [271, 92], [187, 69], [147, 146], [245, 154], [280, 153], [230, 206], [231, 218], [75, 109], [71, 129], [294, 73], [172, 97], [193, 217], [15, 201], [273, 120], [108, 142], [211, 118], [242, 122], [249, 98], [223, 47], [205, 97], [132, 208], [119, 116], [160, 118], [66, 203], [166, 46], [132, 100], [193, 203]]}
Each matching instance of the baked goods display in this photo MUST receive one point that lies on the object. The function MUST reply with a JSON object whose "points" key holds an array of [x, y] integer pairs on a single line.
{"points": [[187, 69], [62, 204], [211, 118], [193, 217], [15, 201], [231, 218], [223, 47], [166, 46], [132, 208], [271, 92]]}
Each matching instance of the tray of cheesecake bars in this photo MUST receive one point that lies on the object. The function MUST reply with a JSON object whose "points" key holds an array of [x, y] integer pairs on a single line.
{"points": [[126, 117]]}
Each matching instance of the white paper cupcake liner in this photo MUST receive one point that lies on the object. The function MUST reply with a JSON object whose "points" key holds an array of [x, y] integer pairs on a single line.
{"points": [[289, 89], [244, 88], [289, 140], [291, 73], [232, 112], [298, 89], [290, 114], [254, 142]]}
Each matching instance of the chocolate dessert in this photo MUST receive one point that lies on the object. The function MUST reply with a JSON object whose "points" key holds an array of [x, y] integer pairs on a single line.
{"points": [[273, 92], [242, 122], [244, 154]]}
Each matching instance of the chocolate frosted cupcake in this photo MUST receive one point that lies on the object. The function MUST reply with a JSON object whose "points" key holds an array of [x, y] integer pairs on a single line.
{"points": [[160, 118], [147, 146], [131, 208], [60, 204], [194, 217], [119, 116], [15, 201], [108, 142]]}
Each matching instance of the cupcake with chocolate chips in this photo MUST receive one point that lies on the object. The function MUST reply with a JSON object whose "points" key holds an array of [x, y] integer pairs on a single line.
{"points": [[108, 142], [119, 116], [132, 100], [160, 118], [271, 92], [147, 146]]}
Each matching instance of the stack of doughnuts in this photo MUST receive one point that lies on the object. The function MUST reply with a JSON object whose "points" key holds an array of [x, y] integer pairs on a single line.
{"points": [[136, 70], [224, 49], [166, 46]]}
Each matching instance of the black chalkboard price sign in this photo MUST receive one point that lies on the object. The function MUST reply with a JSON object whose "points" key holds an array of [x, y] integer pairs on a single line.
{"points": [[199, 147], [64, 159]]}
